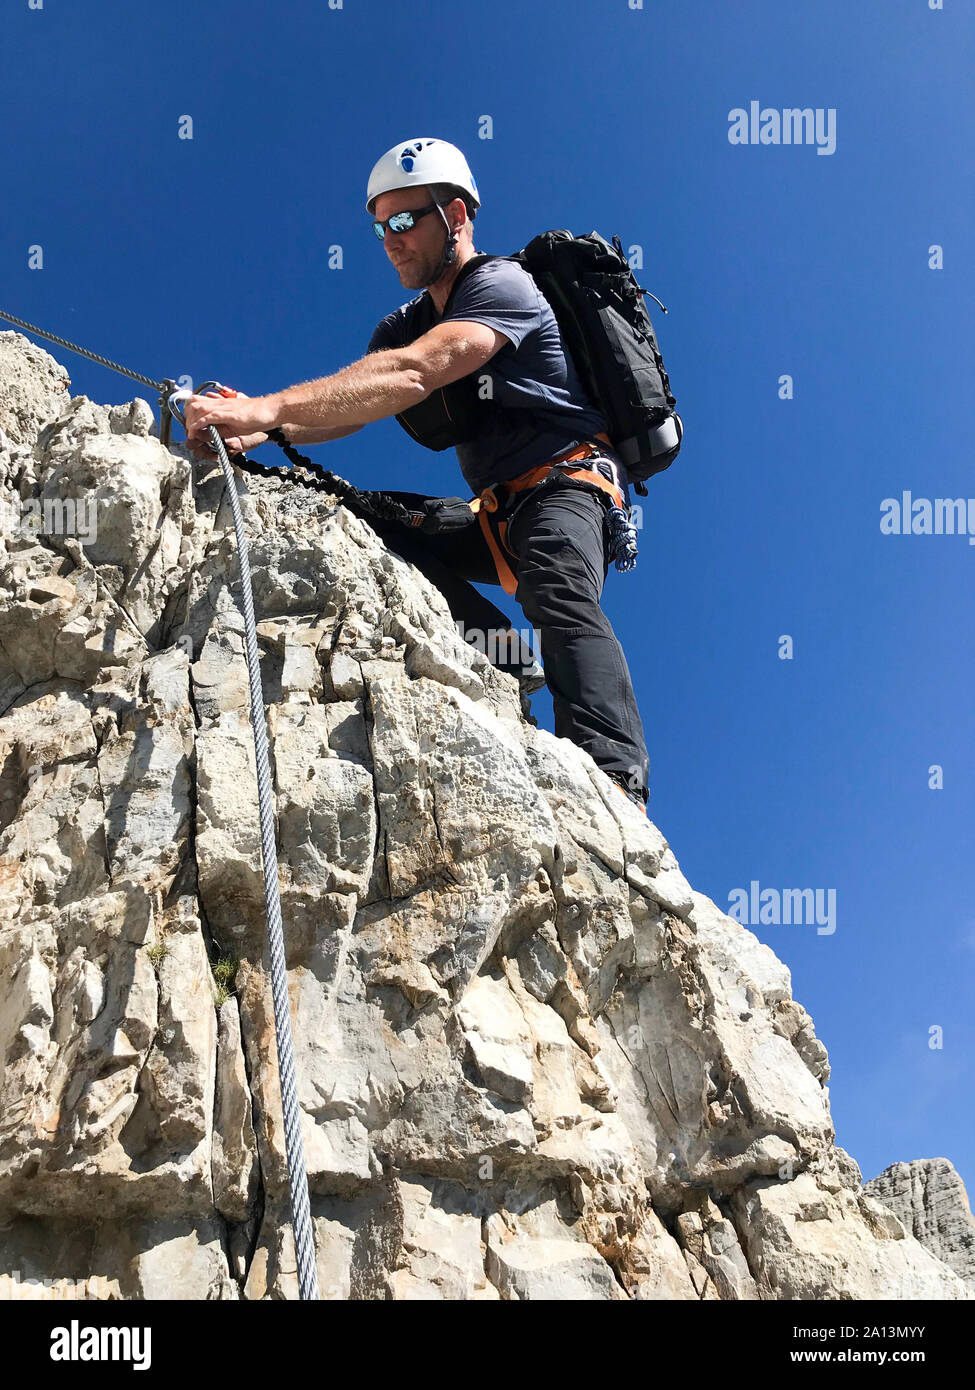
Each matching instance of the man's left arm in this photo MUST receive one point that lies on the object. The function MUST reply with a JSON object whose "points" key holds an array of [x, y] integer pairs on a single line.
{"points": [[380, 384]]}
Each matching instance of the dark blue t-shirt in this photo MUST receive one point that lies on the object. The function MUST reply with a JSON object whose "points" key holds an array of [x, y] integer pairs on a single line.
{"points": [[543, 407]]}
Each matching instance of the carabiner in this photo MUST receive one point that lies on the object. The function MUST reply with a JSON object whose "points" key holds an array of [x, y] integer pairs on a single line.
{"points": [[175, 397]]}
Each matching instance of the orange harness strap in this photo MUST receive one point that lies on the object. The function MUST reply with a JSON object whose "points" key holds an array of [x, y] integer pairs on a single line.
{"points": [[488, 502]]}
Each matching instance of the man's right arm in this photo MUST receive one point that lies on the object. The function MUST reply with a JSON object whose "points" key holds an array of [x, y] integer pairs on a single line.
{"points": [[306, 434], [382, 336]]}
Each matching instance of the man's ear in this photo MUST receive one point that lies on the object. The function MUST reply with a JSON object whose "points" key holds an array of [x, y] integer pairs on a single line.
{"points": [[458, 217]]}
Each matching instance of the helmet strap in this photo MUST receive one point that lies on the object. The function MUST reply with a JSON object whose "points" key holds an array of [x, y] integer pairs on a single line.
{"points": [[449, 250]]}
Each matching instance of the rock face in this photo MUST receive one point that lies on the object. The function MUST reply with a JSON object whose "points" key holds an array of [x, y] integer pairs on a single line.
{"points": [[930, 1200], [533, 1063]]}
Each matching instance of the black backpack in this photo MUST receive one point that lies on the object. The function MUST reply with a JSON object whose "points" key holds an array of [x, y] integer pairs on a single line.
{"points": [[604, 322], [601, 314]]}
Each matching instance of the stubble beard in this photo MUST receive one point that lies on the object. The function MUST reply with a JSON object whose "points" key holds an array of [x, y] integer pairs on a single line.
{"points": [[416, 275]]}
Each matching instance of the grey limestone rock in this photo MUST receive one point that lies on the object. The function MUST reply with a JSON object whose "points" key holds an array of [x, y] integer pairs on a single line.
{"points": [[929, 1199], [532, 1062]]}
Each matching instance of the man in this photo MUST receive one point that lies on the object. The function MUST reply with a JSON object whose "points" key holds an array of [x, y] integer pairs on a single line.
{"points": [[482, 336]]}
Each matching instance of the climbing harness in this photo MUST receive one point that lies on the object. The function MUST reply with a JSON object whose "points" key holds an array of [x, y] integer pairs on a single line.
{"points": [[600, 475], [170, 406]]}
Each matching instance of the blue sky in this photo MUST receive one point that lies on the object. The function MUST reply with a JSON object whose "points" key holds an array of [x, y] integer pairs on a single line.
{"points": [[209, 257]]}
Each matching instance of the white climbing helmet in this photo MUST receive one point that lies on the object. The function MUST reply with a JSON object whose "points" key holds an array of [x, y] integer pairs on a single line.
{"points": [[416, 163]]}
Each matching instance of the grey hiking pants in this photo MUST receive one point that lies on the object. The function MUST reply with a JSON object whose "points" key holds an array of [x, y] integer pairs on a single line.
{"points": [[559, 554]]}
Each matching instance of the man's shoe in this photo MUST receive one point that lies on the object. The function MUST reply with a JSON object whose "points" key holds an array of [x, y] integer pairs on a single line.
{"points": [[634, 796], [530, 678]]}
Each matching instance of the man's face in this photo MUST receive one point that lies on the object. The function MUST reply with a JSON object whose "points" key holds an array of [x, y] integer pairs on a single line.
{"points": [[416, 253]]}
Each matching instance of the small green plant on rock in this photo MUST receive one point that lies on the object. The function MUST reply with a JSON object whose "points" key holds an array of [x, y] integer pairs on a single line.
{"points": [[224, 973], [157, 953]]}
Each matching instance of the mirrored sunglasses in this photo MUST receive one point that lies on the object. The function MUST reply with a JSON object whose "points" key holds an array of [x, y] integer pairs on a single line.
{"points": [[402, 221]]}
